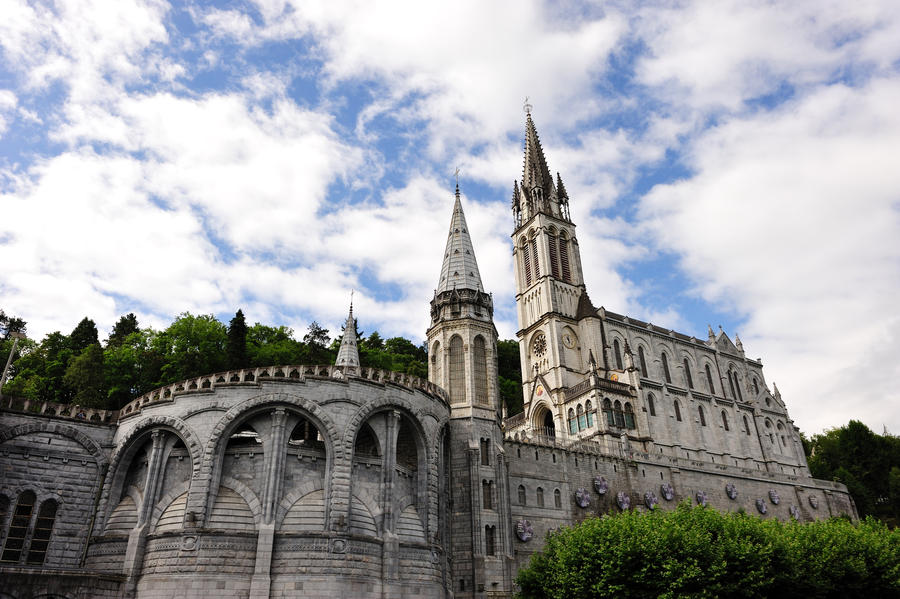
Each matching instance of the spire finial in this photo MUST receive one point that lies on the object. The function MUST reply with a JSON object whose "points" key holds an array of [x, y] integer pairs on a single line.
{"points": [[527, 106], [351, 302], [456, 174]]}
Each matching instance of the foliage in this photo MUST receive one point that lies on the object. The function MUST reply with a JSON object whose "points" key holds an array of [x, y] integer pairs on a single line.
{"points": [[10, 324], [509, 368], [699, 552], [84, 334], [236, 348], [126, 325], [862, 460], [84, 374]]}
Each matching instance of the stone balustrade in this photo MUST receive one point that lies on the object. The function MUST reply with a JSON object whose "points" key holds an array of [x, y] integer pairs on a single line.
{"points": [[253, 376], [59, 410]]}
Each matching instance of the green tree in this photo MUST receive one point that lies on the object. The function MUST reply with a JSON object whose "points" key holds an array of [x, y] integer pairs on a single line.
{"points": [[84, 334], [509, 369], [237, 342], [125, 326], [84, 375], [271, 346], [131, 367], [862, 460], [40, 371], [317, 340], [373, 341], [191, 346], [699, 552], [10, 324]]}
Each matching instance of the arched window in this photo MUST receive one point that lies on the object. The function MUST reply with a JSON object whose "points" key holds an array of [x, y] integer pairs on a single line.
{"points": [[620, 415], [526, 261], [554, 258], [725, 420], [18, 527], [629, 416], [582, 423], [457, 371], [650, 405], [540, 497], [687, 374], [618, 353], [746, 426], [573, 422], [665, 365], [677, 411], [521, 494], [43, 528], [489, 548], [564, 257], [487, 499], [702, 416], [780, 428], [557, 498], [480, 371], [755, 387], [642, 361], [731, 385], [485, 452], [709, 380], [607, 409], [737, 385], [589, 413]]}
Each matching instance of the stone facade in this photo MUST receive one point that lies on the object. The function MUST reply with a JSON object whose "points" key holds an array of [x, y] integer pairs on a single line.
{"points": [[324, 481]]}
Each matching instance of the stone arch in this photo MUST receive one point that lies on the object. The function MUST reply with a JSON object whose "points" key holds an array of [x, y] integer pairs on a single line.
{"points": [[128, 445], [238, 414], [163, 502], [246, 494], [89, 444], [418, 416]]}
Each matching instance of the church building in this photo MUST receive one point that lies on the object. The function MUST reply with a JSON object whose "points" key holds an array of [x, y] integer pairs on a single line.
{"points": [[346, 480]]}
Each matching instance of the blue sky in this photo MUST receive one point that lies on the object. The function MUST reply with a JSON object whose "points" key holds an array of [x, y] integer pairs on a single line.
{"points": [[728, 163]]}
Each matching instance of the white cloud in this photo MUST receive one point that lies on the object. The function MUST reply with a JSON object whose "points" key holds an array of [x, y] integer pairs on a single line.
{"points": [[793, 216]]}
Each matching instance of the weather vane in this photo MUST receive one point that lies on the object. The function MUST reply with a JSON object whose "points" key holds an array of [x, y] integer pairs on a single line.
{"points": [[527, 106]]}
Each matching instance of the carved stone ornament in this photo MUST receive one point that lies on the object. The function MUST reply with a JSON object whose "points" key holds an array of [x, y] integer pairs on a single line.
{"points": [[524, 530], [814, 502], [650, 499], [795, 512], [582, 498], [761, 506], [188, 543], [773, 495], [623, 500], [339, 546], [601, 485], [731, 491], [667, 492], [701, 498]]}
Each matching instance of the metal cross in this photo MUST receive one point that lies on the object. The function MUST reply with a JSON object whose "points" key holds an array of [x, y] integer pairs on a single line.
{"points": [[527, 106]]}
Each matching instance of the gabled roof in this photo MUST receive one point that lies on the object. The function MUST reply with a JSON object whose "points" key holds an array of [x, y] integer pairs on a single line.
{"points": [[460, 269]]}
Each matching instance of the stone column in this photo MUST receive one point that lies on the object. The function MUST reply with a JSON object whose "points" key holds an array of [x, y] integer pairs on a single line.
{"points": [[137, 538], [391, 546], [274, 469]]}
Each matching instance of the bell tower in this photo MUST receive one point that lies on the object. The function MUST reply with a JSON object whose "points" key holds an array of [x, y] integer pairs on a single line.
{"points": [[462, 359], [558, 327]]}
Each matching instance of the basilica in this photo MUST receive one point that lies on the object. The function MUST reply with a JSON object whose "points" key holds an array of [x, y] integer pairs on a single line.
{"points": [[344, 480]]}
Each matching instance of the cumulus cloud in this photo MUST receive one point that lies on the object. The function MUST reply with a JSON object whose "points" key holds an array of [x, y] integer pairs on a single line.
{"points": [[792, 217]]}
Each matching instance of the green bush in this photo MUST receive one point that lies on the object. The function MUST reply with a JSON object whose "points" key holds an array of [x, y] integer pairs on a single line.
{"points": [[698, 552]]}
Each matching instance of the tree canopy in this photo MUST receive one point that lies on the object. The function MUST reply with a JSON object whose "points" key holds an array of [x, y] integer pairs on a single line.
{"points": [[699, 552]]}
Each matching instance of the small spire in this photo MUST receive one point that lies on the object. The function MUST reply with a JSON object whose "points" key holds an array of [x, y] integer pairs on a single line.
{"points": [[712, 335], [627, 349], [737, 342], [348, 354], [560, 188], [460, 269]]}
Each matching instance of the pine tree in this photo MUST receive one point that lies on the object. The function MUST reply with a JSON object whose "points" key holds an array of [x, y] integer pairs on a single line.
{"points": [[236, 349]]}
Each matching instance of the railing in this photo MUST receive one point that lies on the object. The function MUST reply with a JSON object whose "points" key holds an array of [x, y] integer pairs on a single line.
{"points": [[59, 410], [208, 383], [602, 384]]}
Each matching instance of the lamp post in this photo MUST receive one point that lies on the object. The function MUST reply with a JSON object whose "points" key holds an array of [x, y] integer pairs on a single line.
{"points": [[16, 335]]}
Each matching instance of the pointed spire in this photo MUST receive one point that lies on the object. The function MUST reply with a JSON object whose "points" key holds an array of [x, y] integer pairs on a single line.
{"points": [[535, 172], [737, 342], [348, 354], [560, 188], [712, 335], [460, 270]]}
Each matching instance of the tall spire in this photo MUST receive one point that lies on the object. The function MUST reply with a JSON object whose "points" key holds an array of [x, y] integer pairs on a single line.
{"points": [[460, 270], [348, 354], [535, 173]]}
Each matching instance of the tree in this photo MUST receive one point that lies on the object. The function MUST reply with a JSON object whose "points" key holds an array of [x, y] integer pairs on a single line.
{"points": [[84, 334], [191, 346], [270, 346], [10, 324], [509, 368], [862, 460], [317, 340], [374, 341], [85, 376], [237, 342], [126, 325], [699, 552]]}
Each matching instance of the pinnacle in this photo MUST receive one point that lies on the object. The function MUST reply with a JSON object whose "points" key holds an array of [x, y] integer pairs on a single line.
{"points": [[460, 269], [348, 354]]}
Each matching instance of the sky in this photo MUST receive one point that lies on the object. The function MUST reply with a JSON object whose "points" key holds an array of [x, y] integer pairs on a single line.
{"points": [[732, 164]]}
